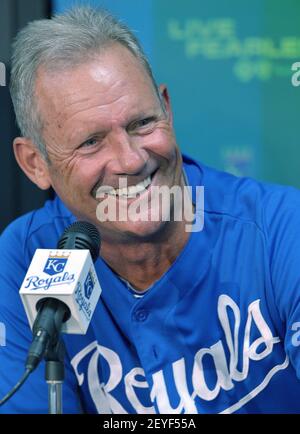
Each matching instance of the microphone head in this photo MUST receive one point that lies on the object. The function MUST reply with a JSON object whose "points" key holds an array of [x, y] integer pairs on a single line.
{"points": [[81, 235], [67, 275]]}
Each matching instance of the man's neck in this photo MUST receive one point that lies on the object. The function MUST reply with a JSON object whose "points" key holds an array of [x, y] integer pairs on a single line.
{"points": [[143, 263]]}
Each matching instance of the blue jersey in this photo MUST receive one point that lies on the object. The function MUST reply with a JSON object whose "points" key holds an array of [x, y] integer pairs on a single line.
{"points": [[219, 332]]}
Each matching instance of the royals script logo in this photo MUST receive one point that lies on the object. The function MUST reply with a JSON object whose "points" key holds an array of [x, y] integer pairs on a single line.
{"points": [[228, 372]]}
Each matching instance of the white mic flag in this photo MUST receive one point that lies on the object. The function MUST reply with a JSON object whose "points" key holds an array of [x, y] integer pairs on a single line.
{"points": [[68, 276]]}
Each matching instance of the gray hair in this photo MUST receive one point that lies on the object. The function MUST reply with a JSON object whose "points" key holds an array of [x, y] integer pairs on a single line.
{"points": [[64, 41]]}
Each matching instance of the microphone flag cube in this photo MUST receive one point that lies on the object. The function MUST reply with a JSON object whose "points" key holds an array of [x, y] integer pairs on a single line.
{"points": [[67, 275]]}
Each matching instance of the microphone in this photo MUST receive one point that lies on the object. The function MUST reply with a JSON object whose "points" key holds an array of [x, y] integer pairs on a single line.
{"points": [[61, 289]]}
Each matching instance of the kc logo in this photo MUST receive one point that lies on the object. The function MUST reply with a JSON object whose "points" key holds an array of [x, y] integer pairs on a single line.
{"points": [[55, 264], [89, 285]]}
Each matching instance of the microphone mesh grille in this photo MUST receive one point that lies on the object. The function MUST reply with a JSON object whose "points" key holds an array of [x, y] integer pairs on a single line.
{"points": [[81, 235]]}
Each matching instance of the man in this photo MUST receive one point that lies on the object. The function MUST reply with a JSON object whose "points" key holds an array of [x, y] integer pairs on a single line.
{"points": [[202, 321]]}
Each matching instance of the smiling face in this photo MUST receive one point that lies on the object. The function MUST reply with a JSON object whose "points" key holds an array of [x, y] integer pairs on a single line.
{"points": [[103, 121]]}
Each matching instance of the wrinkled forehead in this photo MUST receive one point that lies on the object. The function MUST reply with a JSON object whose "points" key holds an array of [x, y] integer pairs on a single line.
{"points": [[107, 76]]}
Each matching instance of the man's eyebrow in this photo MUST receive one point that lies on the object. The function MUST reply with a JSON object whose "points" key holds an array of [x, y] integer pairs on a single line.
{"points": [[140, 116], [151, 113]]}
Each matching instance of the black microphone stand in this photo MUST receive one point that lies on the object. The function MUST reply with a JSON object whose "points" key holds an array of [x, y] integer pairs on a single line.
{"points": [[54, 375]]}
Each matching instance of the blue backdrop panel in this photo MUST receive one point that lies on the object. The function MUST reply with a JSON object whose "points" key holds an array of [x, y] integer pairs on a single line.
{"points": [[228, 68]]}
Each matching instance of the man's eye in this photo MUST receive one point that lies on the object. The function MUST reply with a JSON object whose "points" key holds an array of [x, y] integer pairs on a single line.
{"points": [[89, 143], [142, 123]]}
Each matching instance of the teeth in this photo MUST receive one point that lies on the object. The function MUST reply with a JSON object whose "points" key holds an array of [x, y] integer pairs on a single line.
{"points": [[131, 191]]}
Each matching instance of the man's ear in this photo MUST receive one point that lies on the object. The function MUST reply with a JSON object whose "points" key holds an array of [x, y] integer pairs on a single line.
{"points": [[31, 162], [166, 101]]}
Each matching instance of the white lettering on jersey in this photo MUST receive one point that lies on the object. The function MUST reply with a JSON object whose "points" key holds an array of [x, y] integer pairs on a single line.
{"points": [[226, 373]]}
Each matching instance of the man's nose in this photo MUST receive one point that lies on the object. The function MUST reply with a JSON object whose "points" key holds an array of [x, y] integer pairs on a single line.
{"points": [[130, 157]]}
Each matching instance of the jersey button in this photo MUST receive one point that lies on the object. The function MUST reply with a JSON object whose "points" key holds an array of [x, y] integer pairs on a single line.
{"points": [[140, 315]]}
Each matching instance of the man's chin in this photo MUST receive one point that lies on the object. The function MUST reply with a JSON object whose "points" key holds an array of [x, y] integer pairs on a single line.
{"points": [[137, 231]]}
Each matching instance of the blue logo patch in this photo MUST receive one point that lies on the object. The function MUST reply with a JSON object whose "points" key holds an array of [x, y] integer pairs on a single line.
{"points": [[55, 264], [89, 285]]}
